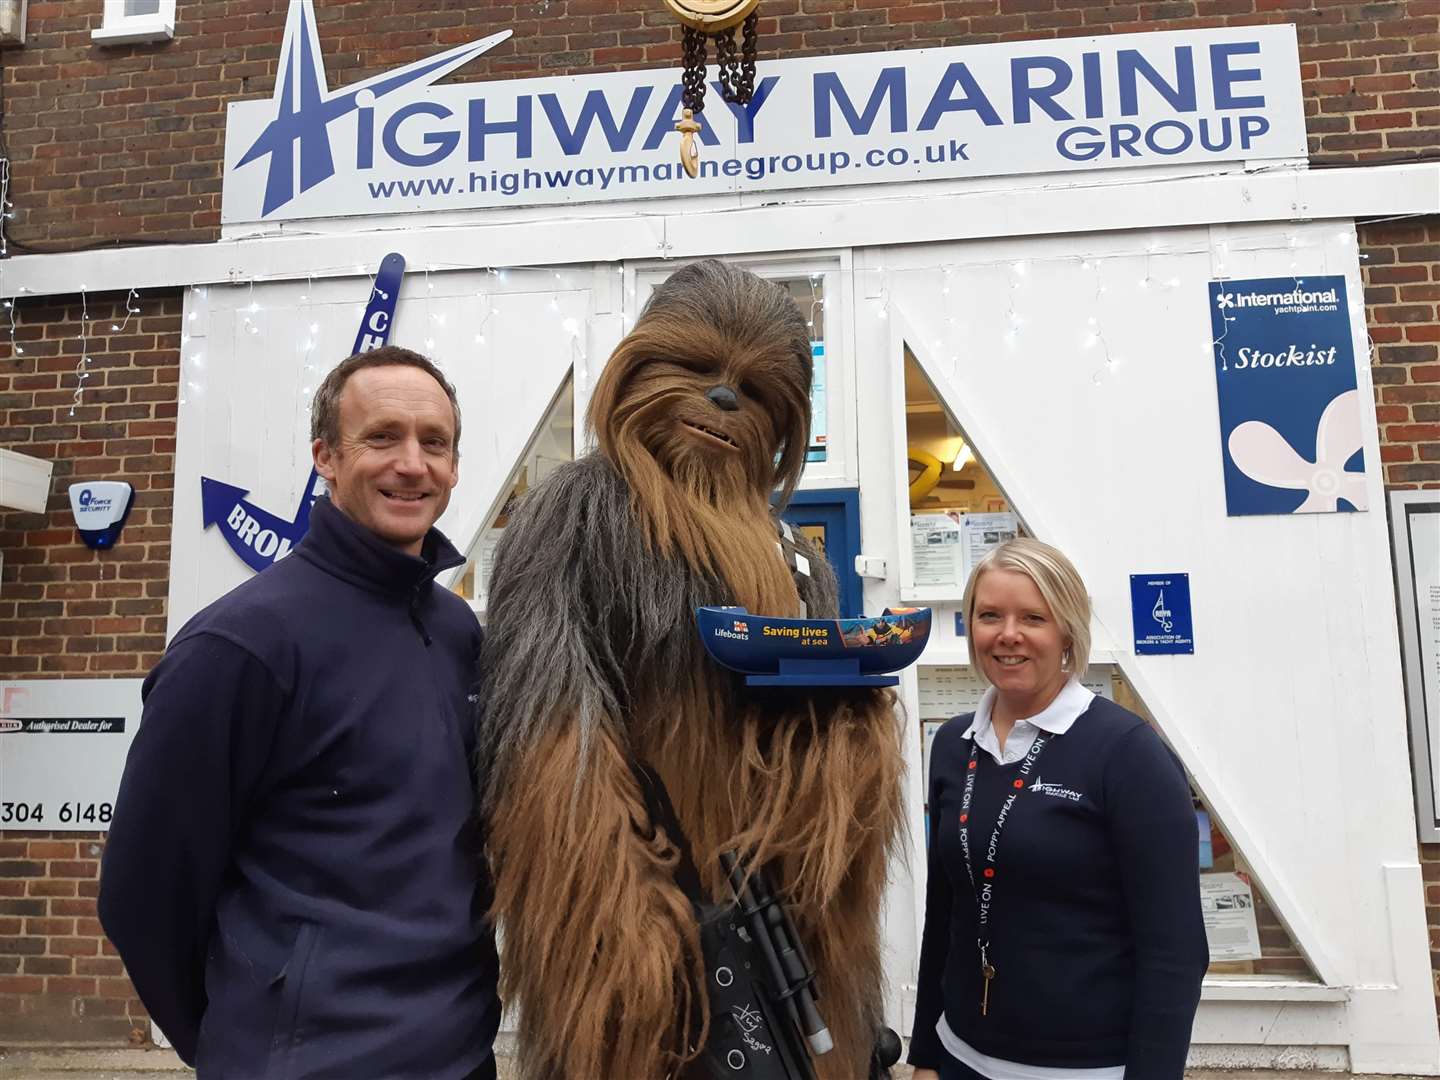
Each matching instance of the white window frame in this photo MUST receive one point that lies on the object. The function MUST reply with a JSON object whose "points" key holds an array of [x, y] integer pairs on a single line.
{"points": [[117, 28]]}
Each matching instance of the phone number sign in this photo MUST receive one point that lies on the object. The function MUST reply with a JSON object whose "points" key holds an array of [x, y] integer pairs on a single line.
{"points": [[62, 749]]}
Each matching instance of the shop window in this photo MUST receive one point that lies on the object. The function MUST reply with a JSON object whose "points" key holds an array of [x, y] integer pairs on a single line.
{"points": [[1247, 937], [957, 512], [126, 22], [552, 446], [809, 296], [1245, 932]]}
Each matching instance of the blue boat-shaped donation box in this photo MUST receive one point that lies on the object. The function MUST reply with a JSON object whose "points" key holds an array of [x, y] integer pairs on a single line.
{"points": [[815, 652]]}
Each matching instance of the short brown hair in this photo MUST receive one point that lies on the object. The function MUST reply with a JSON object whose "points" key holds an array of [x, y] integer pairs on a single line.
{"points": [[325, 408]]}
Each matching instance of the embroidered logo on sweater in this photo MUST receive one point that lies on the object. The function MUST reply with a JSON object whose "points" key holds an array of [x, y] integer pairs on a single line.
{"points": [[1054, 790]]}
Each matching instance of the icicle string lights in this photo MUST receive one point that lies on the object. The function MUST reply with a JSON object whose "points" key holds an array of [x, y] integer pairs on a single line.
{"points": [[82, 366], [7, 212], [132, 307], [1017, 317], [10, 310]]}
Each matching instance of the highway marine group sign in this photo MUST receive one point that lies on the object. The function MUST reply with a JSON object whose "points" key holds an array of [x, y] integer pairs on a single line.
{"points": [[397, 142]]}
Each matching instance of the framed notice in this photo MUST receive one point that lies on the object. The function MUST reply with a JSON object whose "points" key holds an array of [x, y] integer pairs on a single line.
{"points": [[1415, 532], [62, 749], [1160, 611]]}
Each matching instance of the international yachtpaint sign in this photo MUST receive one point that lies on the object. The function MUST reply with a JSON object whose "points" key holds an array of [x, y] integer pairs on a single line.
{"points": [[397, 143], [1291, 415]]}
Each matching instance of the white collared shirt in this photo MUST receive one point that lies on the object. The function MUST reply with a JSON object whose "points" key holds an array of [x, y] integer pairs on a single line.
{"points": [[1056, 718]]}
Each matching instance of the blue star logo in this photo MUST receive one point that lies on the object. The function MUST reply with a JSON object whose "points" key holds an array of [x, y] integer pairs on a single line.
{"points": [[305, 107]]}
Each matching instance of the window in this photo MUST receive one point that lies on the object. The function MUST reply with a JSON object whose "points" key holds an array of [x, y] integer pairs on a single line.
{"points": [[129, 21], [552, 446]]}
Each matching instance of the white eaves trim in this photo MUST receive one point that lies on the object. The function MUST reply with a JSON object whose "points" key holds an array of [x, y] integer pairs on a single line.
{"points": [[121, 29], [723, 228]]}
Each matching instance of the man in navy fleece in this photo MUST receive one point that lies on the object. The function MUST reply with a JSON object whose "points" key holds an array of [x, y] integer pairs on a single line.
{"points": [[292, 876]]}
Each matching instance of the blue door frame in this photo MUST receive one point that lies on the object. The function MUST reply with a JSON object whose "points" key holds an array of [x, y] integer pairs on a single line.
{"points": [[837, 511]]}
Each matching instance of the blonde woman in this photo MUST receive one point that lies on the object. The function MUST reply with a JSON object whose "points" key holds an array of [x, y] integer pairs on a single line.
{"points": [[1063, 937]]}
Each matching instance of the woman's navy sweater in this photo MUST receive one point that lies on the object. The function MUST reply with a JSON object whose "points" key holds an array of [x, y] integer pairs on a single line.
{"points": [[1096, 935]]}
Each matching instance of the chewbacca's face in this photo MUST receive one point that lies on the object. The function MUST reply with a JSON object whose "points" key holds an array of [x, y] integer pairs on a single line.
{"points": [[703, 410], [713, 384]]}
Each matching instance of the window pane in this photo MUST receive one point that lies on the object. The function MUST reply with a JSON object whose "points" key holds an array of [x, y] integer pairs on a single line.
{"points": [[809, 296], [957, 512], [142, 7], [553, 446]]}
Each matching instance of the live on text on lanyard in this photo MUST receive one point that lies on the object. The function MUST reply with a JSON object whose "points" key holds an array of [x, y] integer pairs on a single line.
{"points": [[984, 889]]}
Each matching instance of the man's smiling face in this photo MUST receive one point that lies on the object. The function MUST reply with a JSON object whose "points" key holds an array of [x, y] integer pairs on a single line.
{"points": [[395, 463]]}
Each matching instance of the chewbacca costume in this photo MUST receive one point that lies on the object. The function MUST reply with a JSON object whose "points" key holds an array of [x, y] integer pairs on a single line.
{"points": [[594, 668]]}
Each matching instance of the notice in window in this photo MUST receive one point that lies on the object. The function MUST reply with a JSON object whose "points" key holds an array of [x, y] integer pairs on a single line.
{"points": [[980, 533], [1229, 909], [935, 541]]}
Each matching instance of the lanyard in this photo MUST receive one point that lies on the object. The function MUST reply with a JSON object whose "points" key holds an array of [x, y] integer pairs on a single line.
{"points": [[985, 891]]}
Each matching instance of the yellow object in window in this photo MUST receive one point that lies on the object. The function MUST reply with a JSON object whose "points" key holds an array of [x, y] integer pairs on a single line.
{"points": [[930, 469]]}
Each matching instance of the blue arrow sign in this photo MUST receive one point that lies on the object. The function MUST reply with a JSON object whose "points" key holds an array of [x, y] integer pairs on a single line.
{"points": [[259, 537]]}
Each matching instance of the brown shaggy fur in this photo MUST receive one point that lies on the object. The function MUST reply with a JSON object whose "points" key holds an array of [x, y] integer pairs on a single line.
{"points": [[600, 944], [621, 944]]}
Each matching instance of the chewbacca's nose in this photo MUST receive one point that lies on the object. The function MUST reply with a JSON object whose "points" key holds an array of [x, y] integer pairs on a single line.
{"points": [[724, 397]]}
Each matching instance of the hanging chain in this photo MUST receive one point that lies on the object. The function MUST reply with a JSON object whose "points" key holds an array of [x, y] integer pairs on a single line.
{"points": [[736, 66], [692, 78], [736, 71], [737, 74]]}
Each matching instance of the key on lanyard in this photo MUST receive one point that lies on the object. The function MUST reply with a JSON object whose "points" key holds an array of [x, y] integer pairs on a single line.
{"points": [[987, 971]]}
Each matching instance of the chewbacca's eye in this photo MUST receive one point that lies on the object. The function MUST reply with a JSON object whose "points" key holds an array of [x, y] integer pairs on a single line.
{"points": [[692, 364]]}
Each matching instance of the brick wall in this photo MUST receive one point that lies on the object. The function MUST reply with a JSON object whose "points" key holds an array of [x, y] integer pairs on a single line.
{"points": [[123, 144], [67, 610], [1401, 265]]}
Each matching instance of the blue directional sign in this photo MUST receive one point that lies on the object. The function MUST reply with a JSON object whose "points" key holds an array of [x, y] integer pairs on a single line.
{"points": [[259, 537], [1160, 610]]}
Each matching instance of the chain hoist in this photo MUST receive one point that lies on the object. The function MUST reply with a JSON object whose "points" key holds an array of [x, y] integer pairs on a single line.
{"points": [[701, 20]]}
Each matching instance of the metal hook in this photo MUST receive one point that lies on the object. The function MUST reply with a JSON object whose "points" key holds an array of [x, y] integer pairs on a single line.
{"points": [[689, 149]]}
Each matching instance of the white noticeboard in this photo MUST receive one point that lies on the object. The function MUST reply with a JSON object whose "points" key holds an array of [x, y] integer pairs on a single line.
{"points": [[1228, 906], [62, 749], [1415, 531]]}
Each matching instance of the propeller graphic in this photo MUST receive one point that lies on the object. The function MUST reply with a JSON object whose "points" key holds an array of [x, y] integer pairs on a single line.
{"points": [[1262, 454]]}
